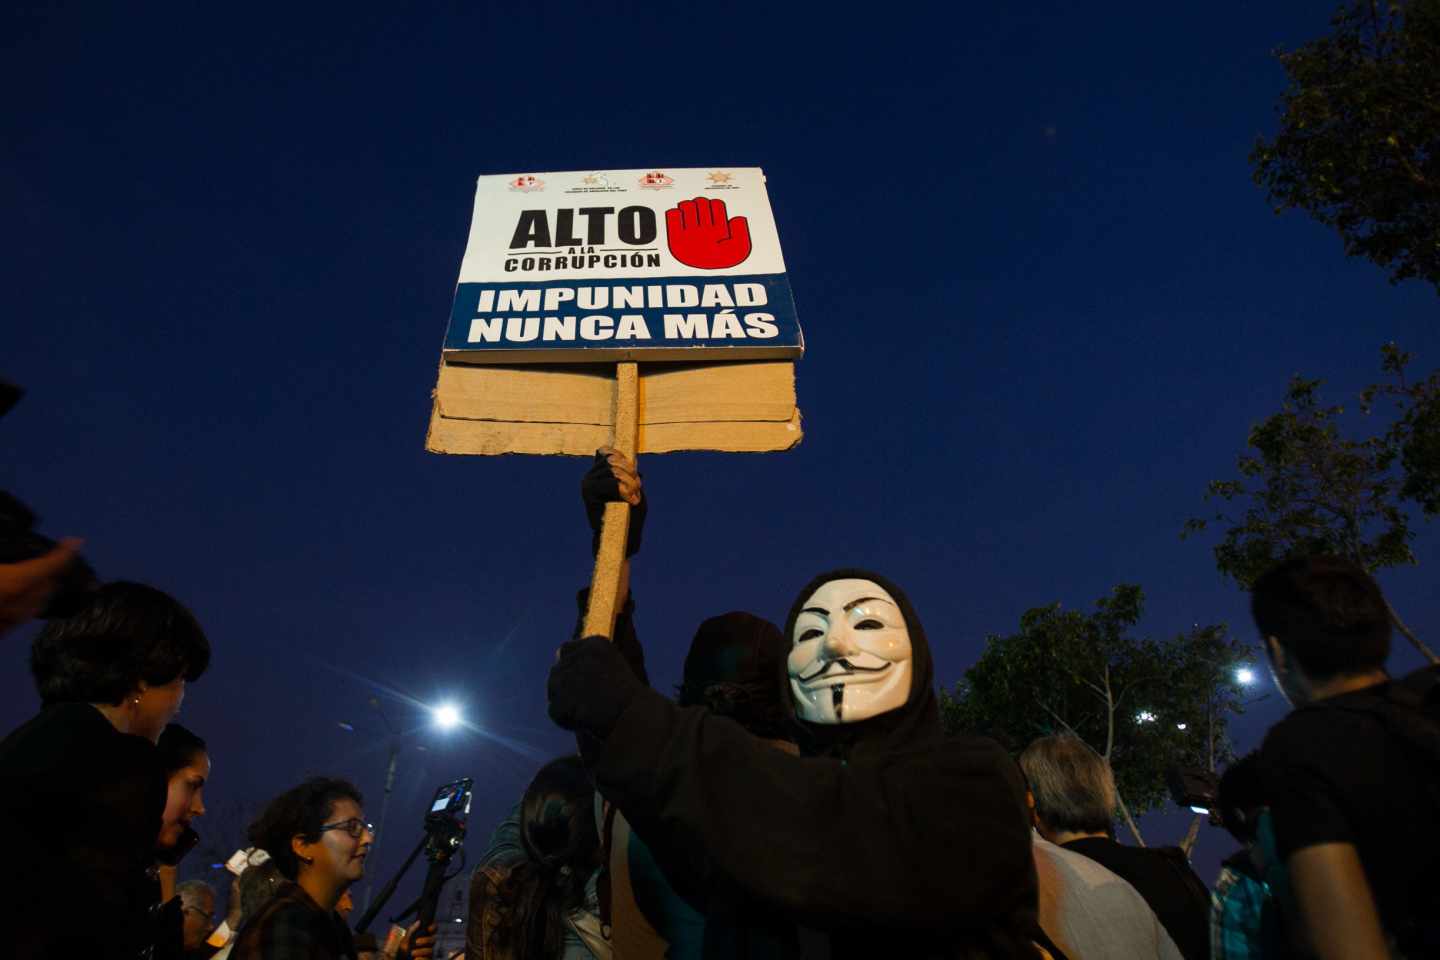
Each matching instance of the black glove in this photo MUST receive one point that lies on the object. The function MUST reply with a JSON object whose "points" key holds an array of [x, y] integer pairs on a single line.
{"points": [[599, 487], [590, 686]]}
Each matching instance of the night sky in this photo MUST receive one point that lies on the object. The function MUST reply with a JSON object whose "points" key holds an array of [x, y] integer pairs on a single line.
{"points": [[1043, 303]]}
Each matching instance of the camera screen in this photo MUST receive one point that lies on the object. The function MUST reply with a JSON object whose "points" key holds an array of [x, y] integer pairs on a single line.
{"points": [[441, 802]]}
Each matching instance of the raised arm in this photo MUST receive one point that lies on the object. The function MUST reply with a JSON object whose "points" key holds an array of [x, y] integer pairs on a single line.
{"points": [[934, 838]]}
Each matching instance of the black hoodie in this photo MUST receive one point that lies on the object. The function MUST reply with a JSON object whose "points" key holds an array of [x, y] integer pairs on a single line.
{"points": [[889, 838]]}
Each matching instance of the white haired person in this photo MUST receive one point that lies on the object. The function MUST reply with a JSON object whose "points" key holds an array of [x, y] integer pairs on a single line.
{"points": [[1075, 803]]}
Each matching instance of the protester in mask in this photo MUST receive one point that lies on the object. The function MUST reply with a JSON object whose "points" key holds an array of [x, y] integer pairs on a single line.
{"points": [[1352, 770], [857, 839], [1075, 804], [82, 787], [534, 894]]}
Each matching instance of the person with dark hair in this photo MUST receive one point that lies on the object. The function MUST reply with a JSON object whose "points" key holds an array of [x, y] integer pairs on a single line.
{"points": [[665, 901], [318, 838], [1354, 767], [732, 669], [857, 839], [1245, 919], [1075, 801], [82, 786], [186, 765], [534, 896], [130, 650]]}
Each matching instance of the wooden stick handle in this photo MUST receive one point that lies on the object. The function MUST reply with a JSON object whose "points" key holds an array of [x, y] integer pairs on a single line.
{"points": [[605, 583]]}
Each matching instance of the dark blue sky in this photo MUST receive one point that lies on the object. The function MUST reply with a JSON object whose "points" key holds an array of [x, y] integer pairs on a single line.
{"points": [[1042, 299]]}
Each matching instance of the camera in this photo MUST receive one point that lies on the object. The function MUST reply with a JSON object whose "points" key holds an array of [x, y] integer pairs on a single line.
{"points": [[1195, 788], [444, 834], [452, 801], [20, 542]]}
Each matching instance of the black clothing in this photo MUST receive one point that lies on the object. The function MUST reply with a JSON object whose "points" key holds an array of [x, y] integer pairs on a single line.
{"points": [[1165, 879], [590, 686], [896, 842], [291, 926], [1336, 773], [80, 810]]}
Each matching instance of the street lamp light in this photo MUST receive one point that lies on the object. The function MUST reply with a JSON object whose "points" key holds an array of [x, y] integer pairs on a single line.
{"points": [[447, 716], [1244, 676]]}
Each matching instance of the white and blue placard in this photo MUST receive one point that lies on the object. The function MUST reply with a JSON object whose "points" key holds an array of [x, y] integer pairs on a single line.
{"points": [[657, 264]]}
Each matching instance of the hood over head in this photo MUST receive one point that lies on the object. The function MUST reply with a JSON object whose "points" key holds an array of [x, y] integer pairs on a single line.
{"points": [[731, 668], [916, 721]]}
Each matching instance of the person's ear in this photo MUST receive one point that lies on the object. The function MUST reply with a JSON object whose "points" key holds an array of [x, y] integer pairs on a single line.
{"points": [[1277, 654], [303, 849]]}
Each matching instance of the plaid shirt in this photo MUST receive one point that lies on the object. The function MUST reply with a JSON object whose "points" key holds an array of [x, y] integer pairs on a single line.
{"points": [[1236, 910], [291, 926]]}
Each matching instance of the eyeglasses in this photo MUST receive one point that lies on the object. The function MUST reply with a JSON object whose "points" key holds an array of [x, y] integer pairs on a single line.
{"points": [[208, 917], [356, 827]]}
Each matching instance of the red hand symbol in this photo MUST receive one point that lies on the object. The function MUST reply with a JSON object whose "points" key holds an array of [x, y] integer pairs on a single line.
{"points": [[701, 236]]}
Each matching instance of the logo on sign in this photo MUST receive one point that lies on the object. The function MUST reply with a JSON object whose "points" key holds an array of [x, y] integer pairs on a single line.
{"points": [[596, 183], [527, 184], [655, 180]]}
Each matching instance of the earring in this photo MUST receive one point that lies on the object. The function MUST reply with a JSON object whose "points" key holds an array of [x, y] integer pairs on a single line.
{"points": [[306, 860]]}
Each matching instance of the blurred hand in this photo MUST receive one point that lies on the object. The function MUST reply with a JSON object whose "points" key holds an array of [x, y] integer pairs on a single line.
{"points": [[232, 911], [417, 945], [25, 587]]}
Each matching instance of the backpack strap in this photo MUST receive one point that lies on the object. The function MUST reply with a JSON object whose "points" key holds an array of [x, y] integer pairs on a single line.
{"points": [[602, 883]]}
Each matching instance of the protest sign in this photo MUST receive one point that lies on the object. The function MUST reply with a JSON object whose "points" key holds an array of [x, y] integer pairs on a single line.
{"points": [[646, 309], [625, 265]]}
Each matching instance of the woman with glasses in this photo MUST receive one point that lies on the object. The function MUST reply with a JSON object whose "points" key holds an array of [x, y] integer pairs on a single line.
{"points": [[317, 836]]}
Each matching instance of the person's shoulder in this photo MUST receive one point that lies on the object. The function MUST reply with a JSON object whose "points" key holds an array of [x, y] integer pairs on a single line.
{"points": [[963, 750], [1320, 733], [61, 734]]}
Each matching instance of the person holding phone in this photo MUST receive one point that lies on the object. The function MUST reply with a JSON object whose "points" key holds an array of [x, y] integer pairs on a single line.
{"points": [[186, 764]]}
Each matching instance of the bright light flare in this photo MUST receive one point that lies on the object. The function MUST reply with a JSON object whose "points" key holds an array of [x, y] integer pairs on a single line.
{"points": [[1144, 716], [1244, 676], [447, 716], [1181, 726]]}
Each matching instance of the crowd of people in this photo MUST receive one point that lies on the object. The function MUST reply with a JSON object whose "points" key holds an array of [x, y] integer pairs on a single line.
{"points": [[797, 797]]}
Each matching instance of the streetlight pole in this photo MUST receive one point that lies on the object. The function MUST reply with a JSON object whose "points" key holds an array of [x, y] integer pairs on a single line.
{"points": [[385, 797], [384, 806]]}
